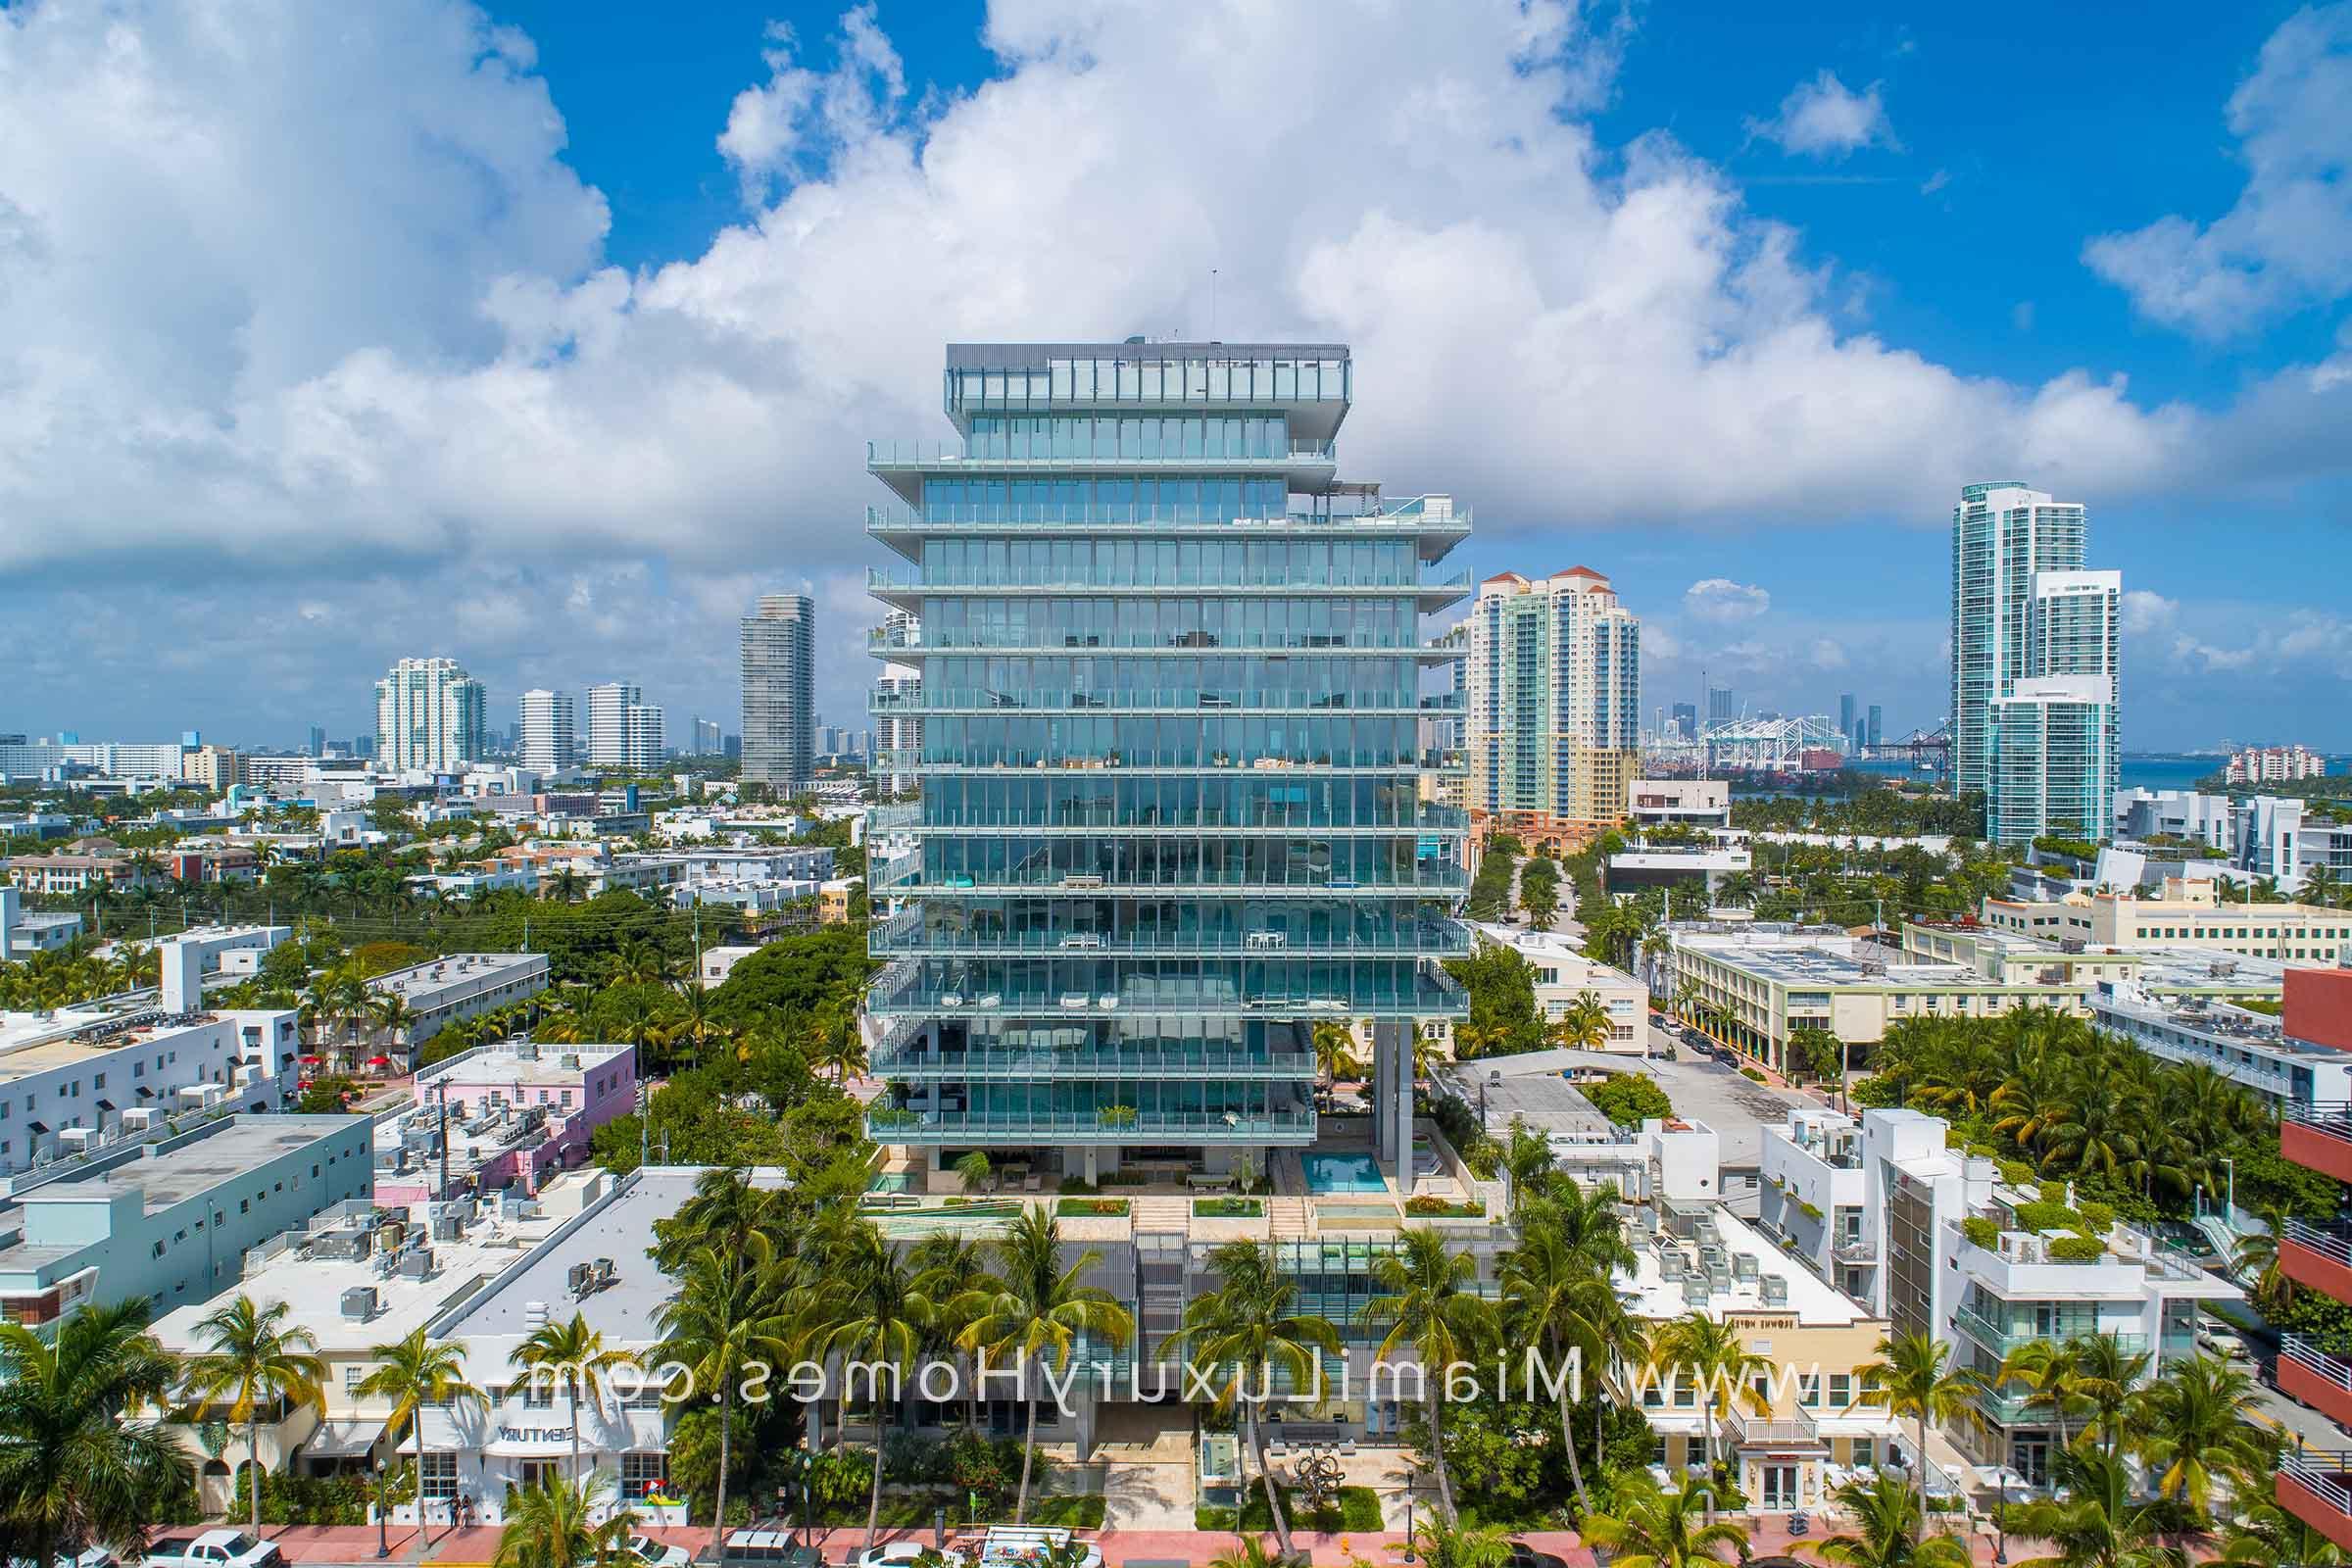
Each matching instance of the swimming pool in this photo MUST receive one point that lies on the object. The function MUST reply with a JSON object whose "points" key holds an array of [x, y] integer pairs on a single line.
{"points": [[1341, 1173]]}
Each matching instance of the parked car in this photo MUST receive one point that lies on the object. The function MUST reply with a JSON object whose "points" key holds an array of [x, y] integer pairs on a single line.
{"points": [[1524, 1556], [901, 1553], [651, 1554], [212, 1548]]}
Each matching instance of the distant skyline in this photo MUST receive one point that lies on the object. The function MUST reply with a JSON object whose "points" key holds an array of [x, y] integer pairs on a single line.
{"points": [[495, 335]]}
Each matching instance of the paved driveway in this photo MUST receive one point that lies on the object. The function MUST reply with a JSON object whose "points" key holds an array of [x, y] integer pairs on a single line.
{"points": [[1737, 1106]]}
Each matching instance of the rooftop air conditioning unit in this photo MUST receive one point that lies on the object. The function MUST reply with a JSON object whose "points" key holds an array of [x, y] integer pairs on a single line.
{"points": [[359, 1303], [417, 1263]]}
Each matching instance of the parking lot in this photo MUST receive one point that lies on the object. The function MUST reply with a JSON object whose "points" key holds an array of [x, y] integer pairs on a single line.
{"points": [[1713, 1092]]}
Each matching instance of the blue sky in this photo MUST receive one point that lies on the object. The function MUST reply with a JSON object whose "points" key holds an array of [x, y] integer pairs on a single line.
{"points": [[565, 329]]}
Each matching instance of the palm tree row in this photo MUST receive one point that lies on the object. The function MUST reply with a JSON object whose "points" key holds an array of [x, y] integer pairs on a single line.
{"points": [[2074, 1102], [765, 1278]]}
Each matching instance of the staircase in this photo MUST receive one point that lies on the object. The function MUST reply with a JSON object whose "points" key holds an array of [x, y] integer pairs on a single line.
{"points": [[1161, 1212], [1286, 1217]]}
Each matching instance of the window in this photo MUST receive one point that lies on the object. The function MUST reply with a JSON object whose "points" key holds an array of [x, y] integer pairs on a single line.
{"points": [[440, 1473], [353, 1377], [641, 1473], [1841, 1390]]}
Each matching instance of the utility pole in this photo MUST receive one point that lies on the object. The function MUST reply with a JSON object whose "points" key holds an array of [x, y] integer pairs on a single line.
{"points": [[443, 1087]]}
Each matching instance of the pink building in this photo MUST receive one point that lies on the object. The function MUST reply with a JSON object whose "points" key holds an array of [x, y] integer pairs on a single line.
{"points": [[517, 1113]]}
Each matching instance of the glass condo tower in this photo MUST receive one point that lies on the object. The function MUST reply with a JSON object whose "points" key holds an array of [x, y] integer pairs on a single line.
{"points": [[1172, 808]]}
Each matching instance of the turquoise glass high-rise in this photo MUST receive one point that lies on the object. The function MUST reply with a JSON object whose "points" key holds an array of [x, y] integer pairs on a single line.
{"points": [[1171, 766]]}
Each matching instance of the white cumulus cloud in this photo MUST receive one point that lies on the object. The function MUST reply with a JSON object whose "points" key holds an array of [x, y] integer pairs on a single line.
{"points": [[1721, 599], [2144, 611], [1823, 118], [2287, 241]]}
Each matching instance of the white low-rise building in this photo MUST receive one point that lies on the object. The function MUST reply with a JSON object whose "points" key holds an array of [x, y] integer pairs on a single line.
{"points": [[2244, 1046], [444, 991], [1563, 974], [356, 1276], [595, 1265], [84, 1080], [720, 962]]}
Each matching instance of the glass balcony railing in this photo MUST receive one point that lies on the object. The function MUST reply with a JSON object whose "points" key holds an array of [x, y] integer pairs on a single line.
{"points": [[1287, 1127], [1431, 993], [2022, 1331], [1447, 880], [1298, 450], [1407, 519], [881, 580], [1010, 819], [916, 1064], [906, 760], [1153, 700], [908, 933]]}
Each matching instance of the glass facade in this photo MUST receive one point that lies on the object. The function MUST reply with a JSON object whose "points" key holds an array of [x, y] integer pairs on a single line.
{"points": [[1169, 770]]}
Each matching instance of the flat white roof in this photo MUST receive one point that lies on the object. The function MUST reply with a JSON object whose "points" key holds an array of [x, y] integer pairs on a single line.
{"points": [[1649, 1294], [458, 968]]}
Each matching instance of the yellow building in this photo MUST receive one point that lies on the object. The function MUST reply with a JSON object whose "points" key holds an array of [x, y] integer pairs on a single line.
{"points": [[1552, 695], [1699, 1258], [2188, 914]]}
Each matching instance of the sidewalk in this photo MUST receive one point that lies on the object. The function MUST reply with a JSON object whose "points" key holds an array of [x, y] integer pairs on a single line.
{"points": [[1768, 1537]]}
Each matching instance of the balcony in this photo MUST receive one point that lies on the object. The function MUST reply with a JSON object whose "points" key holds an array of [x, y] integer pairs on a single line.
{"points": [[1431, 993], [906, 872], [1855, 1248], [909, 818], [1780, 1432], [908, 934], [2318, 1257], [918, 1065], [943, 700], [2318, 1137], [2001, 1341], [2317, 1379], [1410, 518], [1287, 1128], [2316, 1486]]}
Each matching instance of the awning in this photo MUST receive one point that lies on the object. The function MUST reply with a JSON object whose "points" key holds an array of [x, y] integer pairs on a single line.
{"points": [[146, 1093], [106, 1105], [343, 1440]]}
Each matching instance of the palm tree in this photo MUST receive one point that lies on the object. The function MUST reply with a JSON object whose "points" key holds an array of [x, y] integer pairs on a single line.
{"points": [[2105, 1375], [552, 1525], [1428, 1301], [574, 1355], [1583, 1025], [1449, 1545], [1557, 1293], [1037, 1309], [873, 1312], [2323, 887], [1334, 1046], [1648, 1526], [2268, 1534], [566, 884], [413, 1373], [1248, 1551], [2047, 1369], [1245, 1326], [1912, 1377], [695, 1023], [2257, 1255], [393, 1015], [948, 1268], [2099, 1524], [253, 1360], [723, 1317], [1878, 1534], [2196, 1426], [75, 1469], [1716, 1355]]}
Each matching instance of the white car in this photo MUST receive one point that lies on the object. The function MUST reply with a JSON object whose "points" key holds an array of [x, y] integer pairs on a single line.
{"points": [[653, 1554], [902, 1554]]}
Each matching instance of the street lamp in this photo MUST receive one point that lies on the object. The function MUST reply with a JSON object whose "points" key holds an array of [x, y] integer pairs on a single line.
{"points": [[2232, 1200], [2000, 1518], [383, 1500], [1408, 1524]]}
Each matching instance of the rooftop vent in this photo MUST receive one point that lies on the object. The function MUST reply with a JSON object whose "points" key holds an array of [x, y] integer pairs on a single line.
{"points": [[359, 1303]]}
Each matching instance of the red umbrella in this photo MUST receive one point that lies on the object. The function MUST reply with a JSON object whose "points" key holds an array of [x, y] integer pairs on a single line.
{"points": [[379, 1062], [313, 1061]]}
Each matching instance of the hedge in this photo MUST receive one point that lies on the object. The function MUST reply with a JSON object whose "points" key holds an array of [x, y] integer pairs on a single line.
{"points": [[1078, 1207], [2046, 1216], [1980, 1232], [2098, 1217], [2076, 1250], [2016, 1173], [1358, 1512]]}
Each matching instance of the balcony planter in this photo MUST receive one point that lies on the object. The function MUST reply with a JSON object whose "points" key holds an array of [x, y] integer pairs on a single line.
{"points": [[1117, 1115], [887, 1116]]}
